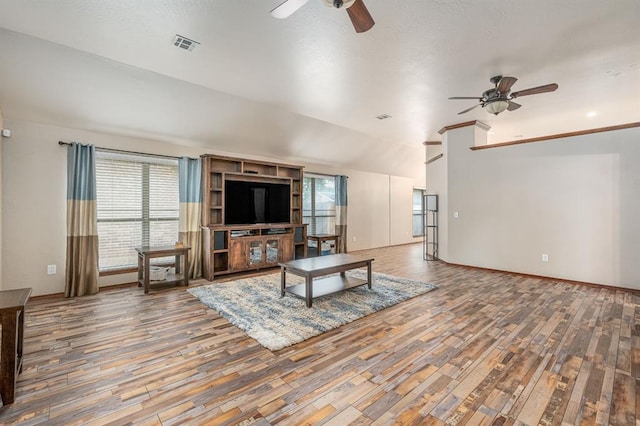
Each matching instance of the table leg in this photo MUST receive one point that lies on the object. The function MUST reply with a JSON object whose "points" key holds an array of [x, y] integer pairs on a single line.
{"points": [[369, 275], [140, 274], [186, 268], [20, 342], [308, 293], [146, 274], [8, 359], [283, 280], [177, 263]]}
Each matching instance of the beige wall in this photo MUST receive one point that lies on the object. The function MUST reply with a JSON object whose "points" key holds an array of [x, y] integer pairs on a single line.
{"points": [[1, 144], [575, 199], [401, 219], [376, 203], [34, 201]]}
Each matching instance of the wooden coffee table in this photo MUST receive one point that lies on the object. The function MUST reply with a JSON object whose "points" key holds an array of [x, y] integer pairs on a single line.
{"points": [[314, 267]]}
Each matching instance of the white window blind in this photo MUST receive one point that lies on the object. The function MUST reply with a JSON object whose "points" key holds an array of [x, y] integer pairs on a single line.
{"points": [[418, 212], [319, 203], [138, 205]]}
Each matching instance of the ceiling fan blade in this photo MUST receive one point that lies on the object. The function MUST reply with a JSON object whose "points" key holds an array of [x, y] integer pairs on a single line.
{"points": [[287, 8], [535, 90], [505, 84], [513, 106], [360, 17], [466, 97], [469, 109]]}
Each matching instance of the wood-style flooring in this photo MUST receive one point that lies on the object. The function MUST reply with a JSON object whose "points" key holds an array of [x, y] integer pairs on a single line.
{"points": [[484, 348]]}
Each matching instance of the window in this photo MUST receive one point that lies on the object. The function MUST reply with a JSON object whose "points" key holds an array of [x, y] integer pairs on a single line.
{"points": [[319, 203], [418, 208], [137, 198]]}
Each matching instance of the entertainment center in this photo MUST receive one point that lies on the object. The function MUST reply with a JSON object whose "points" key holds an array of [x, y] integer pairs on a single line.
{"points": [[251, 216]]}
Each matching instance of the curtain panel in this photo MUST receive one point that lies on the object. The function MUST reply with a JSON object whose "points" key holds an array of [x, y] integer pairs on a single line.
{"points": [[190, 193], [341, 212], [81, 276]]}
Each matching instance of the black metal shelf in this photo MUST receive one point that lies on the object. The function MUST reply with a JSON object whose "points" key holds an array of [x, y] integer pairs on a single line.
{"points": [[430, 221]]}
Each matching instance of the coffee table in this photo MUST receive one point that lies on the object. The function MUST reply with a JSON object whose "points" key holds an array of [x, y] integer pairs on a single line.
{"points": [[315, 267]]}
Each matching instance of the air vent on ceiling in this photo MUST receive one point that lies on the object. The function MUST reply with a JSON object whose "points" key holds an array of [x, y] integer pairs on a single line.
{"points": [[383, 116], [184, 43]]}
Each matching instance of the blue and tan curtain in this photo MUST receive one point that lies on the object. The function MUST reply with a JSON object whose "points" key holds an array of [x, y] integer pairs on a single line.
{"points": [[341, 212], [81, 276], [190, 172]]}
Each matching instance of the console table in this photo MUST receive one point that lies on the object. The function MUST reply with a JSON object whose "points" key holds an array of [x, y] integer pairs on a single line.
{"points": [[12, 303], [320, 238], [145, 254], [313, 267]]}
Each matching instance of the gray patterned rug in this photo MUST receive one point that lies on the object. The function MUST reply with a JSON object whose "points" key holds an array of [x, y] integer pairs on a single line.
{"points": [[254, 305]]}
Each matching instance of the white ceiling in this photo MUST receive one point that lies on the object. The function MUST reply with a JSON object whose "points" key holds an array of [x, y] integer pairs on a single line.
{"points": [[309, 87]]}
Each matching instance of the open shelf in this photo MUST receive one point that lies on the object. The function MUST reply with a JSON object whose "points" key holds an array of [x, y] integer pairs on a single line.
{"points": [[217, 170], [328, 285]]}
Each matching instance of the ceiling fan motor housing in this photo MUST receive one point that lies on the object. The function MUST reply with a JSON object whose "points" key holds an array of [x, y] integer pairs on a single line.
{"points": [[338, 4], [490, 94]]}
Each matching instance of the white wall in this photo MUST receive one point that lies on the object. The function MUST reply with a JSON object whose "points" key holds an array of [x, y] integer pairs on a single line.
{"points": [[34, 201], [575, 199], [436, 183]]}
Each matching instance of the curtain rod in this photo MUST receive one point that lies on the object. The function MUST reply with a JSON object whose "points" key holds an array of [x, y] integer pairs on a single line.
{"points": [[323, 174], [122, 151]]}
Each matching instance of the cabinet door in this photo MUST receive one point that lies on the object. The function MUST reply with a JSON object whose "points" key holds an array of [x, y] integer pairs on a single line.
{"points": [[272, 250], [255, 252], [286, 248], [237, 254]]}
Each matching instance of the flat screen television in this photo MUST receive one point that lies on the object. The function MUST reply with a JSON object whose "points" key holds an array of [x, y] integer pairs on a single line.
{"points": [[247, 203]]}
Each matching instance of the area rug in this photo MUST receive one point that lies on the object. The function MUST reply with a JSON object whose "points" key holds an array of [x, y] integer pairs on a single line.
{"points": [[254, 305]]}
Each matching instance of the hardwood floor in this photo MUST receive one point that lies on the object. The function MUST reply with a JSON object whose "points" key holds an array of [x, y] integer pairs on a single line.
{"points": [[485, 348]]}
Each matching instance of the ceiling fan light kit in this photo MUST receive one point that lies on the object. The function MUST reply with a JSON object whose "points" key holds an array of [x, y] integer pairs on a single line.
{"points": [[497, 106], [500, 98]]}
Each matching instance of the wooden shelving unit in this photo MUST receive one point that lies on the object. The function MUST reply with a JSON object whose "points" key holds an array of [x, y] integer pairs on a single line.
{"points": [[235, 248]]}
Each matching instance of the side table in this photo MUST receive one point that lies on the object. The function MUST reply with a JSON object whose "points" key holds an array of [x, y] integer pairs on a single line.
{"points": [[12, 303], [145, 254], [319, 238]]}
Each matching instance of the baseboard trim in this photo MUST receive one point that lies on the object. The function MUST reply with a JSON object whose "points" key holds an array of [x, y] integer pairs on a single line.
{"points": [[522, 274], [102, 288]]}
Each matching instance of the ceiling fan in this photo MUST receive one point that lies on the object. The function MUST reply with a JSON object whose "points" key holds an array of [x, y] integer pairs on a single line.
{"points": [[500, 97], [360, 17]]}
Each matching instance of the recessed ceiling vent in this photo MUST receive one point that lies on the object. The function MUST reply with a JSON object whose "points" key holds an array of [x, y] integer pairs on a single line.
{"points": [[383, 116], [184, 43]]}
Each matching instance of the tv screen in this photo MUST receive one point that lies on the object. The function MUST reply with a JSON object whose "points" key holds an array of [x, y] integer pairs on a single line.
{"points": [[247, 203]]}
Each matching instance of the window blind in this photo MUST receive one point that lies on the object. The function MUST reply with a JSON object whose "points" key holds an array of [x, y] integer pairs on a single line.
{"points": [[418, 212], [319, 203], [138, 205]]}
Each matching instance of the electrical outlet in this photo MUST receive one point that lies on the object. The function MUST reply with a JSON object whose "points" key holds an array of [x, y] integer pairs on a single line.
{"points": [[51, 269], [354, 239], [456, 215], [545, 257]]}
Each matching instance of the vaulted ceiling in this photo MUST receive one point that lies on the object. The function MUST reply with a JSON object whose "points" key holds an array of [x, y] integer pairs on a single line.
{"points": [[309, 87]]}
